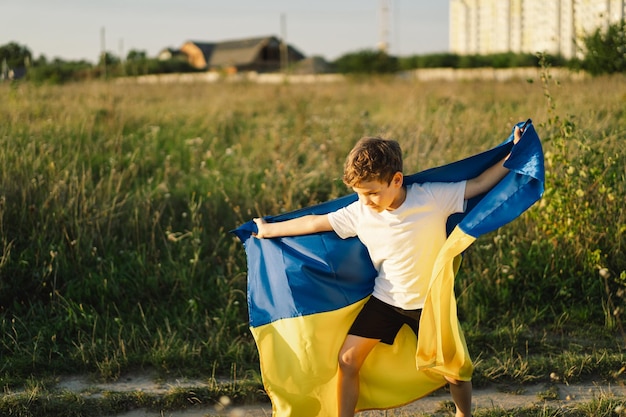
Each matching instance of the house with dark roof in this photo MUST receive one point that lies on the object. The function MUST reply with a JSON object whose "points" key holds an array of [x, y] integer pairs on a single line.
{"points": [[198, 53], [263, 54]]}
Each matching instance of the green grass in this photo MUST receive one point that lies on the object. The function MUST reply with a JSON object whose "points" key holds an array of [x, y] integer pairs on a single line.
{"points": [[116, 202], [38, 400]]}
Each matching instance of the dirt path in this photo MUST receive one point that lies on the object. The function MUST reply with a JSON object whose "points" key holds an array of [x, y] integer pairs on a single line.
{"points": [[487, 398]]}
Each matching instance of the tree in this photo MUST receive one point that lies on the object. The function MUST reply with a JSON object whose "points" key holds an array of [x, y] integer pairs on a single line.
{"points": [[109, 59], [136, 62], [15, 55], [58, 71], [605, 50], [136, 55], [367, 62]]}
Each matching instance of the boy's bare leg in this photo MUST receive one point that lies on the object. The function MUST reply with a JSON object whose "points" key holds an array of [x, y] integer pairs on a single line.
{"points": [[462, 396], [351, 357]]}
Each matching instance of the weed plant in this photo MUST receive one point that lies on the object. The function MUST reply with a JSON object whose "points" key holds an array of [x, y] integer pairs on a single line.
{"points": [[116, 202]]}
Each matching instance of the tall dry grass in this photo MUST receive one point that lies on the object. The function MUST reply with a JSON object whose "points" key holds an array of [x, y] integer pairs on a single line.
{"points": [[116, 201]]}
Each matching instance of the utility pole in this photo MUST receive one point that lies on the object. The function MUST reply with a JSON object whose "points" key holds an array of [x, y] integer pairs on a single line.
{"points": [[121, 48], [103, 54], [284, 56], [385, 11]]}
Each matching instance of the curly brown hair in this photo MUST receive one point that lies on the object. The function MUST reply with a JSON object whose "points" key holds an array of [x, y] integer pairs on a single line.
{"points": [[372, 159]]}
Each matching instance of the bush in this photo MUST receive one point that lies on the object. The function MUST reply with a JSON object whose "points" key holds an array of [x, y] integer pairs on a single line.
{"points": [[606, 50], [367, 62], [59, 72], [499, 60]]}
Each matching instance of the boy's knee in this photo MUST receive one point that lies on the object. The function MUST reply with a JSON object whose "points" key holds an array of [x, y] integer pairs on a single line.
{"points": [[348, 363], [456, 382]]}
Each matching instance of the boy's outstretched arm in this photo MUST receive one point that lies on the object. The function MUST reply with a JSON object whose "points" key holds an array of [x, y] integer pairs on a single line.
{"points": [[491, 176], [304, 225]]}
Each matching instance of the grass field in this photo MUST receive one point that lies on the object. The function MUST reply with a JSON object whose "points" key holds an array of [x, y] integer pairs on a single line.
{"points": [[116, 201]]}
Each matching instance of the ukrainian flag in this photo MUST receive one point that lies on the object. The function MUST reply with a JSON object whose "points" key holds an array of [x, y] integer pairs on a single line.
{"points": [[305, 291]]}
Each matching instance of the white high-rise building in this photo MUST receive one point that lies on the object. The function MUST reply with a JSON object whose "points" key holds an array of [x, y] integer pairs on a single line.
{"points": [[528, 26]]}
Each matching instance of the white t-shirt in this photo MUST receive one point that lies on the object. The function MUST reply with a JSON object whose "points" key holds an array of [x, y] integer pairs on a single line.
{"points": [[403, 243]]}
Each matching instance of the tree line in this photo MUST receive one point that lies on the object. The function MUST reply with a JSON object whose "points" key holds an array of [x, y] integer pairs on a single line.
{"points": [[604, 53], [56, 71]]}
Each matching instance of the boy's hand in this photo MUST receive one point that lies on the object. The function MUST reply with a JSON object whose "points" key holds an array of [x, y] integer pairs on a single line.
{"points": [[260, 224], [517, 135]]}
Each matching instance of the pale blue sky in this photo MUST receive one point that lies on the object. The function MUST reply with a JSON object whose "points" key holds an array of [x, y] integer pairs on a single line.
{"points": [[71, 29]]}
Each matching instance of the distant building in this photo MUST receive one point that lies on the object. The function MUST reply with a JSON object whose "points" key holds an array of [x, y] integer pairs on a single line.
{"points": [[528, 26], [169, 53], [312, 65], [263, 54], [9, 73], [198, 53]]}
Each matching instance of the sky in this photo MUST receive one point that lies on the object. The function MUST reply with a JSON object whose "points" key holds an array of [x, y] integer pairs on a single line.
{"points": [[78, 29]]}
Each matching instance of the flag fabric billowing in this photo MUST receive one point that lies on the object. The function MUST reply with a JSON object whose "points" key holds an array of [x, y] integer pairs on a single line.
{"points": [[305, 291]]}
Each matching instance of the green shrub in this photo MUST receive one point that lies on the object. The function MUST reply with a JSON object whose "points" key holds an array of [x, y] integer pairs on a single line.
{"points": [[605, 50]]}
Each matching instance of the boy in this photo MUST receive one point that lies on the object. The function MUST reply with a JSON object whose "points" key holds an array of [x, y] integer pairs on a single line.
{"points": [[403, 229]]}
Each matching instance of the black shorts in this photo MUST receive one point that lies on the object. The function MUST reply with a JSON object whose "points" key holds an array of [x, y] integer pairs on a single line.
{"points": [[379, 320]]}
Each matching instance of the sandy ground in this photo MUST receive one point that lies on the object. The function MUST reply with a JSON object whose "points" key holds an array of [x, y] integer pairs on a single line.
{"points": [[487, 398]]}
